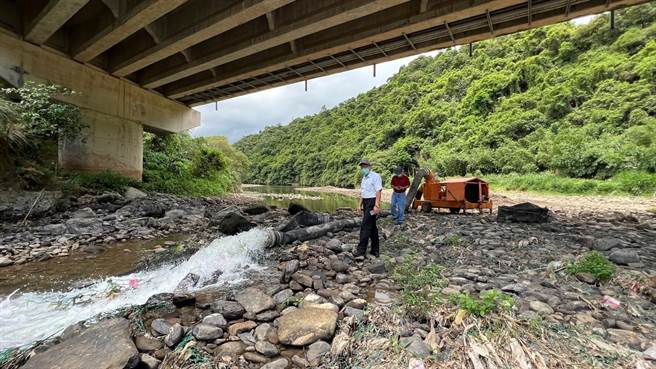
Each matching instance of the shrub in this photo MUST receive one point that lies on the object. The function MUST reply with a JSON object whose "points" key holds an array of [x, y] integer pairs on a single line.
{"points": [[594, 263], [102, 181], [489, 301]]}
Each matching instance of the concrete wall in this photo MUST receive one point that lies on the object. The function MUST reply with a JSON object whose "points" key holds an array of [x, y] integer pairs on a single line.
{"points": [[109, 144]]}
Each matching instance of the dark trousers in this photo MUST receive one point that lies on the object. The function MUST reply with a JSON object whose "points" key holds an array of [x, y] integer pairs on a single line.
{"points": [[368, 229]]}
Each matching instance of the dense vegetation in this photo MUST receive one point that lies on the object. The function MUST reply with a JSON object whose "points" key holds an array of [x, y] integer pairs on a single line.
{"points": [[565, 100], [32, 121]]}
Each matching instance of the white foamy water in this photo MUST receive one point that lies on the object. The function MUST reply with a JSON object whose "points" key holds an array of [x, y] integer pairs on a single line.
{"points": [[25, 318]]}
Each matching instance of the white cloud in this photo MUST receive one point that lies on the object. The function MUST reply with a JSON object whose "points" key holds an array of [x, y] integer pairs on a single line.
{"points": [[249, 114]]}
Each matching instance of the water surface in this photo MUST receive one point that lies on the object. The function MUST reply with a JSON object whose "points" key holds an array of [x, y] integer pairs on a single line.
{"points": [[281, 196]]}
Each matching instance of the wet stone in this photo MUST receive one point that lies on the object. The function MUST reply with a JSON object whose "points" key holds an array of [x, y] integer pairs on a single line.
{"points": [[160, 326], [206, 332], [266, 348]]}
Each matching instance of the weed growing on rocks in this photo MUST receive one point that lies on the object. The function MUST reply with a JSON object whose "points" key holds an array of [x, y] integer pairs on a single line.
{"points": [[489, 301], [594, 263], [420, 285]]}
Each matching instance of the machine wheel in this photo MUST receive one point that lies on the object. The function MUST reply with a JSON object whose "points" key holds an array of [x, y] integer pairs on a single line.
{"points": [[454, 210], [426, 207]]}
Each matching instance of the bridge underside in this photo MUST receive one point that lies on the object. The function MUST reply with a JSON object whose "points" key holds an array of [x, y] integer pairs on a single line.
{"points": [[198, 51], [140, 64]]}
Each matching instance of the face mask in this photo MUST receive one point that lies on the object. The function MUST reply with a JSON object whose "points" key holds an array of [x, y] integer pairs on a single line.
{"points": [[364, 171]]}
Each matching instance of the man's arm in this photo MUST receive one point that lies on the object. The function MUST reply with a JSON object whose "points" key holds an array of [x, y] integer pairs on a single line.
{"points": [[377, 205]]}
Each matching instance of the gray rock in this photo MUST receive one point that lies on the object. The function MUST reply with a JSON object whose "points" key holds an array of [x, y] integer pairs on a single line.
{"points": [[174, 336], [147, 343], [229, 220], [316, 351], [377, 268], [229, 309], [160, 326], [254, 357], [416, 346], [334, 245], [267, 316], [132, 193], [84, 226], [277, 364], [357, 313], [149, 362], [605, 244], [283, 296], [290, 268], [303, 278], [5, 261], [84, 213], [266, 348], [515, 288], [175, 213], [540, 307], [304, 326], [206, 332], [624, 256], [339, 266], [341, 278], [216, 320], [54, 229], [232, 348], [106, 345], [266, 332], [17, 204], [254, 300]]}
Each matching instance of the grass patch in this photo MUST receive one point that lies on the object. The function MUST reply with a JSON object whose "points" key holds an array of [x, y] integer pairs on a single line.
{"points": [[489, 301], [103, 181], [594, 263], [634, 183], [420, 284]]}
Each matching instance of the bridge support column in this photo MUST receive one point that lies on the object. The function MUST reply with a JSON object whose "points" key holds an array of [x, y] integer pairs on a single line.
{"points": [[109, 143]]}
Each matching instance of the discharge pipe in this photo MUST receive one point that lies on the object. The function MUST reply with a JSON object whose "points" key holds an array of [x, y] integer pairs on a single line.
{"points": [[278, 238]]}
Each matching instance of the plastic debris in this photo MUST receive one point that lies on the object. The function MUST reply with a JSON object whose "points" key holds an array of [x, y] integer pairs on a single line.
{"points": [[610, 303], [134, 283], [416, 364]]}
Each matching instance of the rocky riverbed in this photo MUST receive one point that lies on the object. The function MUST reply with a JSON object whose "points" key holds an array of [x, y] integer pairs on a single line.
{"points": [[58, 225], [450, 291]]}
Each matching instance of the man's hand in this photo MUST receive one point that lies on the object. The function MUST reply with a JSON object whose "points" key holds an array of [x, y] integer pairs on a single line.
{"points": [[376, 209], [359, 210]]}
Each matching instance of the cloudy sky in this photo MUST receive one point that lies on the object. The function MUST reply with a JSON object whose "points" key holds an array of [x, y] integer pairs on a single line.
{"points": [[244, 115], [248, 114]]}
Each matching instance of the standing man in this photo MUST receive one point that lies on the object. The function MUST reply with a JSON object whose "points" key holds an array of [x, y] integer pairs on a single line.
{"points": [[400, 183], [369, 206]]}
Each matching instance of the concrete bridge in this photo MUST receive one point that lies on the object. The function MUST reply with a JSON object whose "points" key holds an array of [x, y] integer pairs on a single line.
{"points": [[140, 64]]}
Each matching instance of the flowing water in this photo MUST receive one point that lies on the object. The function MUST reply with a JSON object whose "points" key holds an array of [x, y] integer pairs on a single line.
{"points": [[30, 316]]}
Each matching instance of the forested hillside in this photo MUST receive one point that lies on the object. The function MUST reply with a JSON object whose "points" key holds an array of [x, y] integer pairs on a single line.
{"points": [[576, 101]]}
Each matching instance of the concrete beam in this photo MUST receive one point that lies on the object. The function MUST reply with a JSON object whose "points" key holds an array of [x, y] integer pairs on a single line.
{"points": [[196, 32], [536, 23], [342, 39], [306, 24], [136, 18], [51, 18], [96, 90]]}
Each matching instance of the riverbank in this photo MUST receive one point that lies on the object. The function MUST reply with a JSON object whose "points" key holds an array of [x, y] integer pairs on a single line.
{"points": [[570, 204]]}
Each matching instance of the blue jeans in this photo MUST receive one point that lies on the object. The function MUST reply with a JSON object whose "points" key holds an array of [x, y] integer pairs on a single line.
{"points": [[398, 206]]}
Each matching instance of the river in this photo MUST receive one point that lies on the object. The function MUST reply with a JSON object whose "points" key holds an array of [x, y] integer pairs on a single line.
{"points": [[281, 196]]}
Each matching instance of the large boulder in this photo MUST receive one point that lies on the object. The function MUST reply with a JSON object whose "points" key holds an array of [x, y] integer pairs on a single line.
{"points": [[254, 300], [306, 325], [229, 220], [624, 256], [523, 213], [106, 345]]}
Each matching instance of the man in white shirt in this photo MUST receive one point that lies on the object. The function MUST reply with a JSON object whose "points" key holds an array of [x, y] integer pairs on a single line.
{"points": [[369, 206]]}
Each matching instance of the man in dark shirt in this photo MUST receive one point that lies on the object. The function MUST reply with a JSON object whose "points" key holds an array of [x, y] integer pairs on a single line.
{"points": [[400, 183]]}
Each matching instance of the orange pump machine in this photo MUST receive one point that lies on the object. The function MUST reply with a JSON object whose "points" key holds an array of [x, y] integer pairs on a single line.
{"points": [[453, 194]]}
